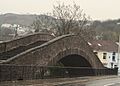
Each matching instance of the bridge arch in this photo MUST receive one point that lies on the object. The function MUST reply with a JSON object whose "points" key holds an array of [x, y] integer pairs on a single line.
{"points": [[73, 58], [75, 63]]}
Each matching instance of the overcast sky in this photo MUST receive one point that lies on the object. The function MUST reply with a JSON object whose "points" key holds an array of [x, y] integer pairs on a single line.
{"points": [[97, 9]]}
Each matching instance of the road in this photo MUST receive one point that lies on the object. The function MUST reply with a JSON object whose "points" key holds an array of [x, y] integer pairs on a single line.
{"points": [[80, 81], [105, 82], [99, 82]]}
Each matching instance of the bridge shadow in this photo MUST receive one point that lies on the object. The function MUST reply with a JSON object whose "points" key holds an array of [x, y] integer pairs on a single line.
{"points": [[75, 65], [74, 60]]}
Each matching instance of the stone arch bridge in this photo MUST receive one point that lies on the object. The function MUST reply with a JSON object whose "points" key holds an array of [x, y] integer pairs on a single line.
{"points": [[70, 50], [67, 50]]}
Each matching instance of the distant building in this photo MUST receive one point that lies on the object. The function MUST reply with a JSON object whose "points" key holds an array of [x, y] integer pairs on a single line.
{"points": [[107, 52], [6, 25], [11, 31]]}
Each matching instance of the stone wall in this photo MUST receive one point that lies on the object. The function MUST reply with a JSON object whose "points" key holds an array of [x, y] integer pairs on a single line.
{"points": [[23, 41], [20, 72], [12, 72], [13, 52]]}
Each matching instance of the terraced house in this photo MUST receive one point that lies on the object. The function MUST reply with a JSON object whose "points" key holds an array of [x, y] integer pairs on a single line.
{"points": [[107, 52]]}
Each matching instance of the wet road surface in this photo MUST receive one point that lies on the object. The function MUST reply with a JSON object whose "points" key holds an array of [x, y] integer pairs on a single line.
{"points": [[102, 82]]}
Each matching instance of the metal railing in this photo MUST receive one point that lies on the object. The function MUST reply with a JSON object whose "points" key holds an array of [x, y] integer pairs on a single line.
{"points": [[16, 72]]}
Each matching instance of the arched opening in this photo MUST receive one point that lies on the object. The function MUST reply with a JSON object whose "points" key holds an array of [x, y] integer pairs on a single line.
{"points": [[74, 61], [74, 66]]}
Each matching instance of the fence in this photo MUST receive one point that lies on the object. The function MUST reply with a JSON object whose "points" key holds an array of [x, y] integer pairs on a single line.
{"points": [[15, 72]]}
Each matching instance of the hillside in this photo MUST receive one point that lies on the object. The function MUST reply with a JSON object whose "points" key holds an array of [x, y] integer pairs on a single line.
{"points": [[105, 30], [17, 19]]}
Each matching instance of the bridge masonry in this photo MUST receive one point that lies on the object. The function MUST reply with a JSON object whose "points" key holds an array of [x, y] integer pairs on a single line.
{"points": [[32, 63], [11, 48], [52, 51], [24, 41]]}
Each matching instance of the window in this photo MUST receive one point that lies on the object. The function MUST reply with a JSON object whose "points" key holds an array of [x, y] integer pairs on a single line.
{"points": [[113, 53], [115, 66], [104, 55], [89, 43], [113, 58], [99, 44]]}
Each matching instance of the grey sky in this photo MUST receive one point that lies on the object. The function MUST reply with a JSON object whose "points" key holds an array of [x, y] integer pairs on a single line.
{"points": [[97, 9]]}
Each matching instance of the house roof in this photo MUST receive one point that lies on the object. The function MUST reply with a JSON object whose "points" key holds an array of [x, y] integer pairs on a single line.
{"points": [[103, 45]]}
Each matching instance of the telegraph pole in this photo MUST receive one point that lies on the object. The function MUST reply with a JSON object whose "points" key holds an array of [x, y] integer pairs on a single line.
{"points": [[16, 31], [118, 55]]}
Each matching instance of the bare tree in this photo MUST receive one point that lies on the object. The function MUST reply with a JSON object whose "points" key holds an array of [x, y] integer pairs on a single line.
{"points": [[42, 22], [66, 19]]}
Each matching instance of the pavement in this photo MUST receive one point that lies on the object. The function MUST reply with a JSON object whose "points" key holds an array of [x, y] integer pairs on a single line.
{"points": [[57, 82], [104, 82]]}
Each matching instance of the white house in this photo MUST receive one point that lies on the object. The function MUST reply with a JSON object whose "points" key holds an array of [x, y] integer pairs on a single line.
{"points": [[11, 30], [6, 25], [107, 52]]}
